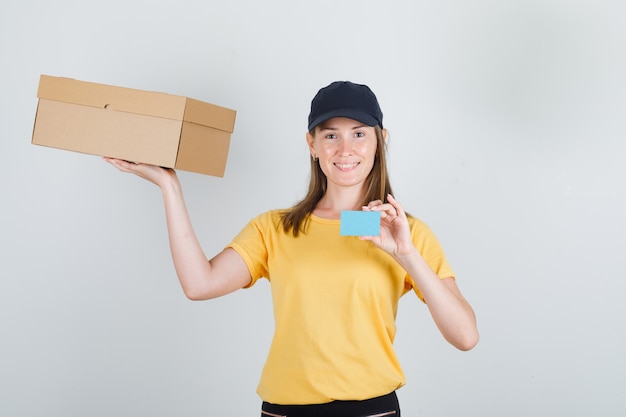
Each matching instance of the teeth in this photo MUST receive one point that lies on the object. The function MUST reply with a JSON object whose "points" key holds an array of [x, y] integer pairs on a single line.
{"points": [[346, 166]]}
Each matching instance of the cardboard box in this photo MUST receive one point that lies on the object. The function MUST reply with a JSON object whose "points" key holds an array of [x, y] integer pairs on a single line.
{"points": [[139, 126]]}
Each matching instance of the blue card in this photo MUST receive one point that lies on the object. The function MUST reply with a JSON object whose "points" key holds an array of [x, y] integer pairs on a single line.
{"points": [[360, 223]]}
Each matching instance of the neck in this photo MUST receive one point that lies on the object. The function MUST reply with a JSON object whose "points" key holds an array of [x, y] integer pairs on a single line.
{"points": [[335, 200]]}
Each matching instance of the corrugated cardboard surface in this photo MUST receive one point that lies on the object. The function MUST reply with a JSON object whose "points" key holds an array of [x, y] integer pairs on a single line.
{"points": [[140, 126], [193, 143]]}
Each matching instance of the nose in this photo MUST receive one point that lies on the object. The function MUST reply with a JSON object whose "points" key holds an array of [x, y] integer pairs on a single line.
{"points": [[345, 146]]}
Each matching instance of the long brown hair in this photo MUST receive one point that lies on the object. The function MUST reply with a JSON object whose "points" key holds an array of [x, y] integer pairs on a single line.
{"points": [[377, 187]]}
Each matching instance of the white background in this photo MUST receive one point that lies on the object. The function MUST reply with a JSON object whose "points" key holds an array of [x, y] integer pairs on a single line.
{"points": [[507, 137]]}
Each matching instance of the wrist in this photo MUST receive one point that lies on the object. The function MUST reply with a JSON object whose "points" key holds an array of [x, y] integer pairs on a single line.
{"points": [[169, 183], [407, 257]]}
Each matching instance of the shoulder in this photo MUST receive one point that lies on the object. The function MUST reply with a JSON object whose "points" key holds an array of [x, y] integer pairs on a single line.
{"points": [[430, 248], [273, 216], [421, 232], [417, 225], [270, 219], [262, 228]]}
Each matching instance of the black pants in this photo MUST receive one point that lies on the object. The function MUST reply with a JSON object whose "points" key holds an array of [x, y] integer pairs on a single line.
{"points": [[385, 406]]}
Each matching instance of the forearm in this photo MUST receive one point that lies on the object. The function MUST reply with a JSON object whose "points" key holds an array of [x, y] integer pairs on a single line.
{"points": [[451, 312], [190, 262], [200, 278]]}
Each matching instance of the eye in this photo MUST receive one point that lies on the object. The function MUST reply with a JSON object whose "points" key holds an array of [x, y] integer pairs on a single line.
{"points": [[330, 136], [358, 135]]}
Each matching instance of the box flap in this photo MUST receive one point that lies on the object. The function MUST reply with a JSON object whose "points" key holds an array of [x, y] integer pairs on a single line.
{"points": [[149, 103], [129, 100], [210, 115]]}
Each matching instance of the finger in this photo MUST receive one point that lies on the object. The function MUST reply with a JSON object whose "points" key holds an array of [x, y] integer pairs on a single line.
{"points": [[397, 206], [113, 161], [387, 212], [109, 160], [379, 205], [122, 165], [373, 204]]}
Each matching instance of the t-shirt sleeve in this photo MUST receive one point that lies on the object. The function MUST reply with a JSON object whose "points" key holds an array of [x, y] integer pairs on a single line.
{"points": [[429, 247], [251, 245]]}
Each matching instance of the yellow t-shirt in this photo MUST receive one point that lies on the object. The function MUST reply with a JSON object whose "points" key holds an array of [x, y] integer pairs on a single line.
{"points": [[335, 301]]}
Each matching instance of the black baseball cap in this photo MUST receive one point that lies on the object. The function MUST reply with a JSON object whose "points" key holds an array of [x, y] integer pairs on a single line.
{"points": [[345, 99]]}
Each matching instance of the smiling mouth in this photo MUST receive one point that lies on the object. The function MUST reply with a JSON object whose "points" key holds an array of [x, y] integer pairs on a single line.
{"points": [[346, 167]]}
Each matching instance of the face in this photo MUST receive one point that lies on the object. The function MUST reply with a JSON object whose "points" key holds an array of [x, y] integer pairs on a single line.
{"points": [[346, 150]]}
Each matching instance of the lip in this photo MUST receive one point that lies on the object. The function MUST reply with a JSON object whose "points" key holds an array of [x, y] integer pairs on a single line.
{"points": [[346, 166]]}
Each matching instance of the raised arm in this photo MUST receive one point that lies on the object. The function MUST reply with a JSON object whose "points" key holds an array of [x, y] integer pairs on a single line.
{"points": [[451, 312], [201, 279]]}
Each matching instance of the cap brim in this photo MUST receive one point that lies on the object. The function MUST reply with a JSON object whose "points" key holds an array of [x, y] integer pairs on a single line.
{"points": [[349, 113]]}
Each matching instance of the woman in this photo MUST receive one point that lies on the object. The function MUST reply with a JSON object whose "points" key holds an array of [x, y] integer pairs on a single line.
{"points": [[335, 297]]}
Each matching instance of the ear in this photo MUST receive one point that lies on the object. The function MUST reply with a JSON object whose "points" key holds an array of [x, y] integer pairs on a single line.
{"points": [[385, 135], [310, 142]]}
